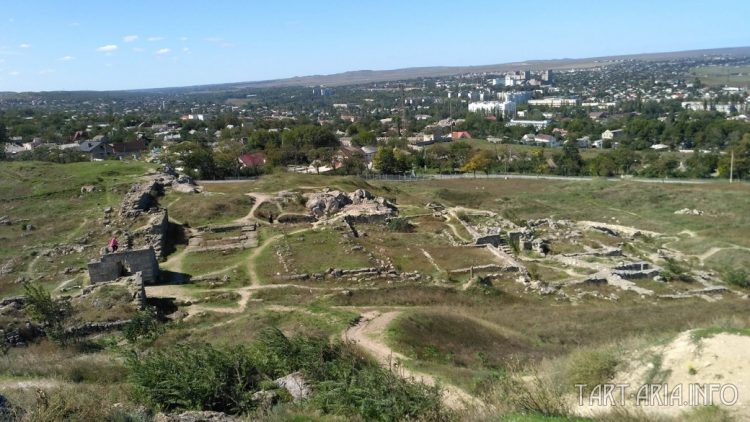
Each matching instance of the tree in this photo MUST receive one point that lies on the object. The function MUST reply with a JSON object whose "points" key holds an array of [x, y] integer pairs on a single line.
{"points": [[384, 160], [569, 163], [481, 160], [364, 138], [50, 313], [320, 157], [197, 159], [741, 154], [460, 151], [3, 140]]}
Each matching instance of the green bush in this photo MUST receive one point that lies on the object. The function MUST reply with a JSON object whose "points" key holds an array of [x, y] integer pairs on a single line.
{"points": [[400, 224], [51, 313], [591, 367], [195, 377], [143, 326], [204, 377], [737, 277]]}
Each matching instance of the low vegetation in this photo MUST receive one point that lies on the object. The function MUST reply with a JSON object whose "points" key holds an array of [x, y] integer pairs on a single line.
{"points": [[206, 377]]}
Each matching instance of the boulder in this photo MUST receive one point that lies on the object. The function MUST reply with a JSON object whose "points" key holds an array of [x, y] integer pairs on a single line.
{"points": [[296, 385], [360, 195], [326, 203]]}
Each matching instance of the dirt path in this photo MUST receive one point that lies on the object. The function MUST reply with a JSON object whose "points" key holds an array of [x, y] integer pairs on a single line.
{"points": [[368, 334], [260, 198], [431, 259], [713, 251], [42, 384]]}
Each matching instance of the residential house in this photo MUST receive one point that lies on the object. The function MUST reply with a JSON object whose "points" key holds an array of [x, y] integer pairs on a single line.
{"points": [[611, 135], [460, 135], [541, 140], [598, 115], [584, 142], [130, 148], [369, 152], [347, 153], [252, 160], [96, 149], [537, 124]]}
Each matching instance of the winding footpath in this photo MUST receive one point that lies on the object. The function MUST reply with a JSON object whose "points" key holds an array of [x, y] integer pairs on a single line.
{"points": [[368, 334]]}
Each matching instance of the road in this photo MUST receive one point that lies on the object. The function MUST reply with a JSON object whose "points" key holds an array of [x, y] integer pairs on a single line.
{"points": [[407, 178]]}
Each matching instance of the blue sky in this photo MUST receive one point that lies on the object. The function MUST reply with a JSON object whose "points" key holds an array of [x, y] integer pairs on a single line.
{"points": [[98, 45]]}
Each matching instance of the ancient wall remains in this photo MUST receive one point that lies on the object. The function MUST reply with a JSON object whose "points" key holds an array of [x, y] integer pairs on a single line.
{"points": [[118, 264]]}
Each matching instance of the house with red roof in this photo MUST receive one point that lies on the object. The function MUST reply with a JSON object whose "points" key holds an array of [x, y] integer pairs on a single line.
{"points": [[252, 160], [460, 135]]}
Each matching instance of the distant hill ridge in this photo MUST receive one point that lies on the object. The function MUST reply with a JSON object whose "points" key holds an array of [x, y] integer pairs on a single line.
{"points": [[370, 76]]}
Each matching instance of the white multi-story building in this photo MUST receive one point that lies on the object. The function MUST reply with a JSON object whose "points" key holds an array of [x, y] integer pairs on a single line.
{"points": [[518, 97], [554, 102], [537, 124], [507, 108]]}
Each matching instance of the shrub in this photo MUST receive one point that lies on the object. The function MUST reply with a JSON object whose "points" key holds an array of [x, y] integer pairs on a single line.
{"points": [[591, 367], [204, 377], [674, 271], [400, 224], [142, 326], [51, 313], [737, 277], [533, 394], [195, 377]]}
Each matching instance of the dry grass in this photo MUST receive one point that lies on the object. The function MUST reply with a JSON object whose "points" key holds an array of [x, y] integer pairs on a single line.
{"points": [[201, 209]]}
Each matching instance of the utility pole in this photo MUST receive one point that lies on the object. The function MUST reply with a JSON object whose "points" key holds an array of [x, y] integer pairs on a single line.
{"points": [[731, 168]]}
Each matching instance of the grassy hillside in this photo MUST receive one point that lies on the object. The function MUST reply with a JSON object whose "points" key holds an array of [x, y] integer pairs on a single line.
{"points": [[435, 306]]}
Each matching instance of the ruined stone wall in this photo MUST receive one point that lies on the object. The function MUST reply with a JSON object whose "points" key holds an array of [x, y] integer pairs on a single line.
{"points": [[154, 234], [492, 239], [114, 265]]}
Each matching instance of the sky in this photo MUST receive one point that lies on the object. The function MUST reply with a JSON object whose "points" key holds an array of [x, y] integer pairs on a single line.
{"points": [[110, 44]]}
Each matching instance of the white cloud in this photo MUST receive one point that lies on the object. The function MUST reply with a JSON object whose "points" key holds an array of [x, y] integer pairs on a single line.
{"points": [[183, 39], [138, 49], [24, 45], [129, 38], [107, 48], [14, 73], [46, 71], [185, 50], [66, 58], [162, 51], [74, 24], [153, 39]]}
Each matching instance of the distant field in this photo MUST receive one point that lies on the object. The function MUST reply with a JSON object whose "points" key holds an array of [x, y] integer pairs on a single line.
{"points": [[720, 75]]}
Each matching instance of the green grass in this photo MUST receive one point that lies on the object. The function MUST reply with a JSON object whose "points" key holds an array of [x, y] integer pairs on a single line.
{"points": [[48, 196], [310, 252], [701, 333], [199, 263], [455, 340], [207, 208]]}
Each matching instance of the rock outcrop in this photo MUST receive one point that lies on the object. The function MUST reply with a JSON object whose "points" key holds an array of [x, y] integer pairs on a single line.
{"points": [[359, 205]]}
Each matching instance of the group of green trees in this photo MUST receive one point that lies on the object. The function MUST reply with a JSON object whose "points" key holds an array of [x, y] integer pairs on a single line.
{"points": [[460, 156], [665, 122]]}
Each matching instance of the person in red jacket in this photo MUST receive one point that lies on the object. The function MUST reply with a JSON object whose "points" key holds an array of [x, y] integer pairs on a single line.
{"points": [[113, 244]]}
